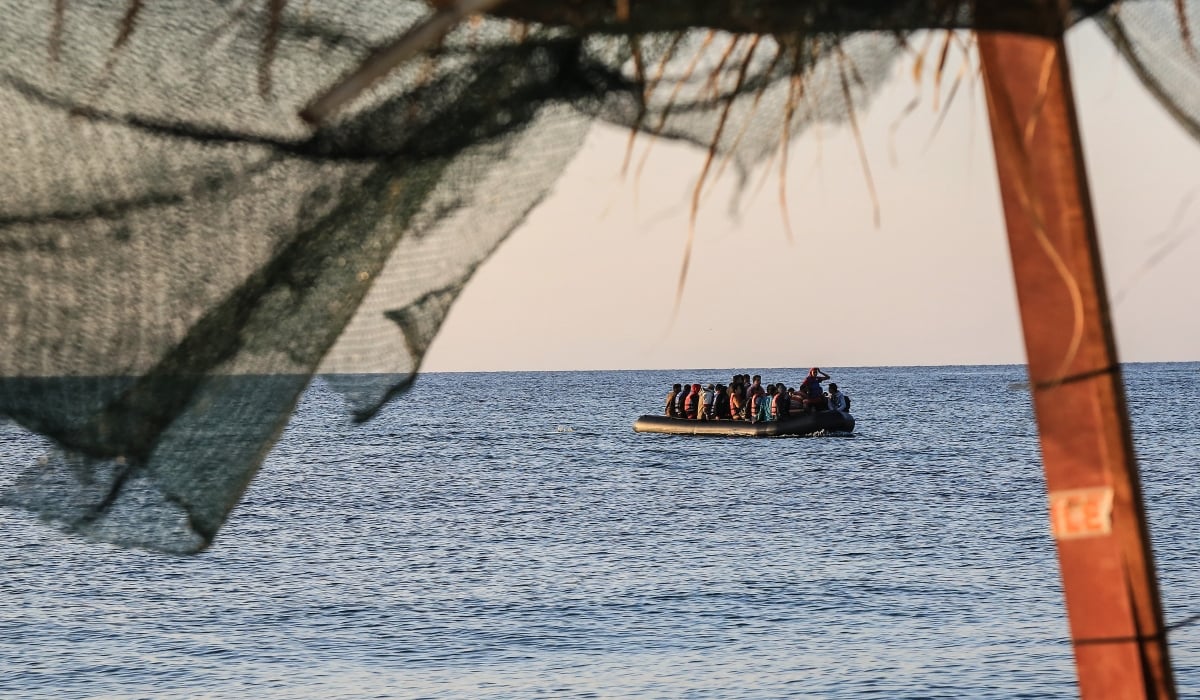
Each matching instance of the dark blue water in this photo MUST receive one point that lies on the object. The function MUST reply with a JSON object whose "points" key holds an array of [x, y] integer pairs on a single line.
{"points": [[508, 535]]}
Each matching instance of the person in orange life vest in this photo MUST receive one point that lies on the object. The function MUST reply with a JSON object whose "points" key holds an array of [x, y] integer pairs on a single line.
{"points": [[736, 396], [764, 403], [772, 395], [781, 408], [736, 402], [755, 396], [756, 381], [692, 403]]}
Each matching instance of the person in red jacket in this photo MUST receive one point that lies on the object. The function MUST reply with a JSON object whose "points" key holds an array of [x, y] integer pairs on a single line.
{"points": [[692, 403], [810, 389]]}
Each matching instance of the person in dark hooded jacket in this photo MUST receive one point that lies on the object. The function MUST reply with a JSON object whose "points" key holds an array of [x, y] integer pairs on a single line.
{"points": [[721, 403]]}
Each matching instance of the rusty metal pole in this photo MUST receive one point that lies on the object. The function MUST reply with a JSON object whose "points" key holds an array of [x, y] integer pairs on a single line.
{"points": [[1096, 511]]}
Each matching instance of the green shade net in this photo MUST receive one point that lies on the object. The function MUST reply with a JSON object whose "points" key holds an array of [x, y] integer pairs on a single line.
{"points": [[180, 253]]}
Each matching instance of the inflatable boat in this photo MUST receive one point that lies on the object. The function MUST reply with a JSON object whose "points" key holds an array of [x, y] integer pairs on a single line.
{"points": [[802, 424]]}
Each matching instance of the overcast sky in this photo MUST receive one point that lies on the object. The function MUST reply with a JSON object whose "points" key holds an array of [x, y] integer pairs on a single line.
{"points": [[589, 281]]}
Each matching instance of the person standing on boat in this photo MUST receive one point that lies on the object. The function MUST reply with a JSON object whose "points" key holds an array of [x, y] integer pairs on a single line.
{"points": [[837, 400], [814, 395], [672, 409]]}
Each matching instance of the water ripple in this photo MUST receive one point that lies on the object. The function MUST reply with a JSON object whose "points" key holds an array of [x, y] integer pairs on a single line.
{"points": [[555, 553]]}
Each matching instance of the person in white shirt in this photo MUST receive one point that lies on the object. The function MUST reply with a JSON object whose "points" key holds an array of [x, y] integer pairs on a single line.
{"points": [[707, 404], [837, 400]]}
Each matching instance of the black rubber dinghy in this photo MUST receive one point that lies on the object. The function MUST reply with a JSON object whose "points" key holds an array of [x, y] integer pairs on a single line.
{"points": [[803, 424]]}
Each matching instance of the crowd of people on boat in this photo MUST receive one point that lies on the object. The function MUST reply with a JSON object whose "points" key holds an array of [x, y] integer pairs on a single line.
{"points": [[746, 399]]}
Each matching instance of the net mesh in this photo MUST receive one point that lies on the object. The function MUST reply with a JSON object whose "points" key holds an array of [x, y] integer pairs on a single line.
{"points": [[1158, 41], [180, 252]]}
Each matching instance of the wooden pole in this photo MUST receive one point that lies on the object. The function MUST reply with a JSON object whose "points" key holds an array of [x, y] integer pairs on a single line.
{"points": [[1096, 511]]}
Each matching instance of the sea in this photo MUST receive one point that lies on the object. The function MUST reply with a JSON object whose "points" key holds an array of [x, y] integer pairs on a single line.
{"points": [[508, 535]]}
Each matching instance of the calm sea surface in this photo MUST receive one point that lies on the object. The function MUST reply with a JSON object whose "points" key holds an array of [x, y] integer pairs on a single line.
{"points": [[509, 536]]}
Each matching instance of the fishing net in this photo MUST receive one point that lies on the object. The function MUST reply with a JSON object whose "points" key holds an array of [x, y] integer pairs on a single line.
{"points": [[1157, 41], [180, 252]]}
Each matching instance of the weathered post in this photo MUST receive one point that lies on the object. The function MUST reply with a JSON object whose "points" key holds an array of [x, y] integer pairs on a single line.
{"points": [[1096, 511]]}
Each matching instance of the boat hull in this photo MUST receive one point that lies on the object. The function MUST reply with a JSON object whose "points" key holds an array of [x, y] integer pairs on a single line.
{"points": [[803, 424]]}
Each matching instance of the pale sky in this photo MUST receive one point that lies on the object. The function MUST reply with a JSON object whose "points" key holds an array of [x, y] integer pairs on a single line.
{"points": [[589, 281]]}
